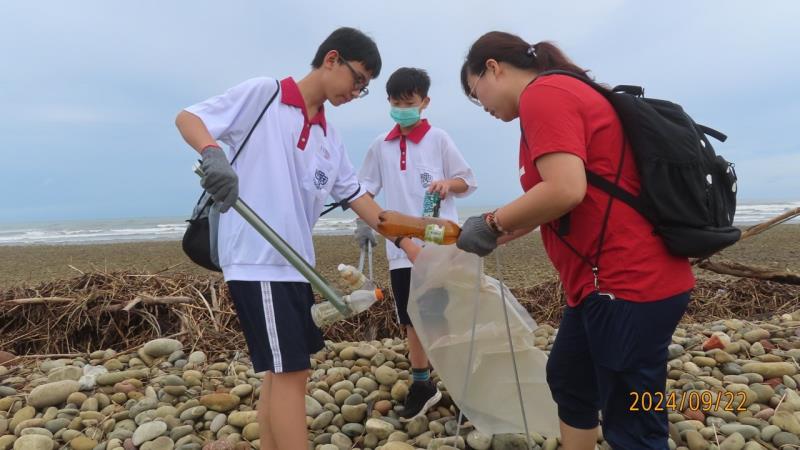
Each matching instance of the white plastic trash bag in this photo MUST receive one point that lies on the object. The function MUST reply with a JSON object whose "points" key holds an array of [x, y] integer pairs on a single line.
{"points": [[444, 284]]}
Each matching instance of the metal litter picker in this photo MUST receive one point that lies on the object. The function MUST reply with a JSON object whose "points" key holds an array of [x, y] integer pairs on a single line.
{"points": [[318, 282]]}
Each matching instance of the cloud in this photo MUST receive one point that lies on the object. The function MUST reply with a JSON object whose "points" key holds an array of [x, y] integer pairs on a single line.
{"points": [[90, 93]]}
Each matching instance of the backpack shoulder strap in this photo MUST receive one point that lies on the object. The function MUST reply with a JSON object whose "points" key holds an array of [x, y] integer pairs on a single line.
{"points": [[255, 124], [344, 203], [610, 187], [614, 190], [636, 91], [597, 87], [247, 138]]}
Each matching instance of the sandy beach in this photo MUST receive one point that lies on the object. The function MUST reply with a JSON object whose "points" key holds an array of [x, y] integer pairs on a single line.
{"points": [[525, 262]]}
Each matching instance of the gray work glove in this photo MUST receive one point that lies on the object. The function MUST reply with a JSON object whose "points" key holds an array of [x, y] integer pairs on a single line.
{"points": [[364, 235], [219, 179], [477, 237]]}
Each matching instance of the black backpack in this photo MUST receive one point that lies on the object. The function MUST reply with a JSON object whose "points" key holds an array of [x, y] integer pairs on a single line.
{"points": [[688, 192]]}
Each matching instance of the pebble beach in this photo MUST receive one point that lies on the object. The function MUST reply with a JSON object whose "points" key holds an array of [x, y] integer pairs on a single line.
{"points": [[732, 383]]}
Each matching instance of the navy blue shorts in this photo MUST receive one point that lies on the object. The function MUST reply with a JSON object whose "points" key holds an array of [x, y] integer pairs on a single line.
{"points": [[276, 321], [606, 350]]}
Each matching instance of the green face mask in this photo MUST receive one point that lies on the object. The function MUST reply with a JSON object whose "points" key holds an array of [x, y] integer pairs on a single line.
{"points": [[405, 117]]}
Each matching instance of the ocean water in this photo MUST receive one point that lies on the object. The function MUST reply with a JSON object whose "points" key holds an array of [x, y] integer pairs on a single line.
{"points": [[172, 228]]}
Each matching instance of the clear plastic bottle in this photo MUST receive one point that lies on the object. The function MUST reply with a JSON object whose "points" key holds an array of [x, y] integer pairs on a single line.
{"points": [[325, 313], [353, 279]]}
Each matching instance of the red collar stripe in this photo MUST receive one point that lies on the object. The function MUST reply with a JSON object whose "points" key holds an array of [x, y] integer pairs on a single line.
{"points": [[291, 96]]}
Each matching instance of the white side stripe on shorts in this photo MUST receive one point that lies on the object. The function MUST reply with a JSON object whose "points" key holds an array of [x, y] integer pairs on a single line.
{"points": [[272, 327]]}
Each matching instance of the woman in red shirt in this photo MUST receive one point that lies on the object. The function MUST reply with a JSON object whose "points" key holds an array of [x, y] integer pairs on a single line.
{"points": [[625, 292]]}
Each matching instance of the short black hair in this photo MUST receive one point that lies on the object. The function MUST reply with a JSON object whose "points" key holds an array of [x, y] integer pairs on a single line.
{"points": [[407, 81], [352, 45]]}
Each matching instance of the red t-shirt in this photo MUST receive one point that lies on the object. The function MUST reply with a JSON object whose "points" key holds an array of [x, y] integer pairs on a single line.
{"points": [[561, 114]]}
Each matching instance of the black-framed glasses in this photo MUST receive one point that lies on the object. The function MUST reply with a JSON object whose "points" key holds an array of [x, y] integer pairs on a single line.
{"points": [[472, 97], [360, 82]]}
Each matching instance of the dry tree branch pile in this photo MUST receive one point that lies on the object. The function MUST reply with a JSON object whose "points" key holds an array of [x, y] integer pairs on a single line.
{"points": [[123, 310]]}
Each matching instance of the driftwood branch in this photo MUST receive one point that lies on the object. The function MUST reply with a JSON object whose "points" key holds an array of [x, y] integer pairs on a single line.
{"points": [[726, 267], [764, 226], [53, 355], [166, 300], [208, 307], [214, 299], [147, 300], [129, 306], [40, 300]]}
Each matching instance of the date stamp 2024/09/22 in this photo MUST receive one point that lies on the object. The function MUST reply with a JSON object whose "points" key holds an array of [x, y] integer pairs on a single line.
{"points": [[704, 401]]}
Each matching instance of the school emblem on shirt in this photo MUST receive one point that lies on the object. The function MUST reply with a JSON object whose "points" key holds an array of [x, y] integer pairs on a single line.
{"points": [[320, 179], [426, 179]]}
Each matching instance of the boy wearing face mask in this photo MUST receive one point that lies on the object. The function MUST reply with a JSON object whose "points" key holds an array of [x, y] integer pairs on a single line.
{"points": [[411, 159]]}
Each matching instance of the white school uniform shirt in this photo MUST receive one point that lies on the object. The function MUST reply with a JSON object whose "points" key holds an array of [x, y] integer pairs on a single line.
{"points": [[404, 166], [287, 170]]}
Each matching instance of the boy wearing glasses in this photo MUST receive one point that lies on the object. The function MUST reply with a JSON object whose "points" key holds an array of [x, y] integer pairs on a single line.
{"points": [[411, 159], [293, 160]]}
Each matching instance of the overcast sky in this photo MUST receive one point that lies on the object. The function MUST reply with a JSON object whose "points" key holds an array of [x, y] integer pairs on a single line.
{"points": [[89, 89]]}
